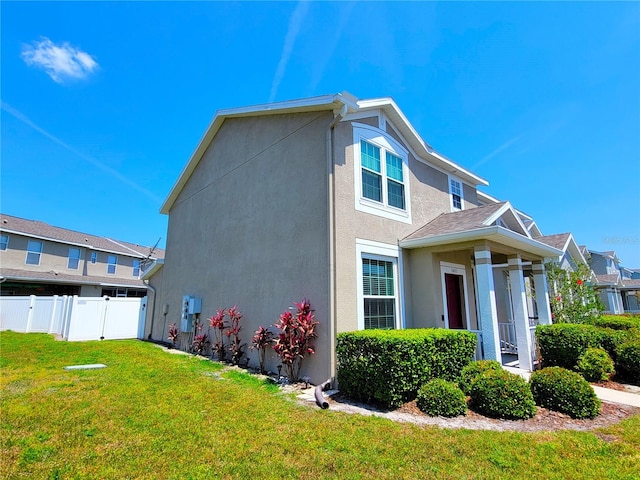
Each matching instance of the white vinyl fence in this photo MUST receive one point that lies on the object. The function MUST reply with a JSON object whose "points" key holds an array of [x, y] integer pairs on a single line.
{"points": [[75, 318]]}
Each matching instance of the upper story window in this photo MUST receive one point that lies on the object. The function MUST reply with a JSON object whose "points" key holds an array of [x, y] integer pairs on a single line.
{"points": [[136, 267], [381, 169], [112, 262], [74, 258], [94, 257], [4, 242], [455, 188], [34, 250]]}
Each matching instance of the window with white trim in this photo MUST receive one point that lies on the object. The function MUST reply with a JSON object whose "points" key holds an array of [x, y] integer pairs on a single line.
{"points": [[94, 257], [381, 169], [4, 242], [455, 188], [379, 292], [74, 259], [34, 250], [136, 267], [112, 262]]}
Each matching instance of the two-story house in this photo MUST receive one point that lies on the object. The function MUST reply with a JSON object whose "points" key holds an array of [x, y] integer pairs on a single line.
{"points": [[618, 286], [341, 201], [41, 259]]}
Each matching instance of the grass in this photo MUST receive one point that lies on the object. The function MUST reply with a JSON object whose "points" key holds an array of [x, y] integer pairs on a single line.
{"points": [[151, 414]]}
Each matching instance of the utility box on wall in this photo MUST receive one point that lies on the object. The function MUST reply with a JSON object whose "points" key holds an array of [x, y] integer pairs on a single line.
{"points": [[190, 306]]}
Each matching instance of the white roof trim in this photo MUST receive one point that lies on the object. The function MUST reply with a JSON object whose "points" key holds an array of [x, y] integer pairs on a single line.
{"points": [[495, 233], [151, 271], [501, 211], [485, 196]]}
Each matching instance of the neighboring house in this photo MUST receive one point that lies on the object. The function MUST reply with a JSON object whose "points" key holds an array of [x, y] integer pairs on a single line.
{"points": [[610, 283], [40, 259], [339, 200], [571, 256]]}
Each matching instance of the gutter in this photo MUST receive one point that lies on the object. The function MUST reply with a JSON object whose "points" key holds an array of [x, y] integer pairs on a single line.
{"points": [[330, 138]]}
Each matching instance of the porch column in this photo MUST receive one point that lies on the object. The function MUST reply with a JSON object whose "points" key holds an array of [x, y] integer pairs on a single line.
{"points": [[542, 293], [520, 313], [486, 298]]}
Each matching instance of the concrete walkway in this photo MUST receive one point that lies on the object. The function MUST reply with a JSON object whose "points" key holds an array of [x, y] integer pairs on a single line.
{"points": [[631, 395]]}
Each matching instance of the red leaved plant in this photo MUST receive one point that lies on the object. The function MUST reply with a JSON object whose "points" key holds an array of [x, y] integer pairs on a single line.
{"points": [[218, 324], [173, 334], [235, 347], [261, 340], [294, 340]]}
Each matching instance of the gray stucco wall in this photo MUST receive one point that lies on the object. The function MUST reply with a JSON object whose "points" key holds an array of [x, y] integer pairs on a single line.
{"points": [[250, 228]]}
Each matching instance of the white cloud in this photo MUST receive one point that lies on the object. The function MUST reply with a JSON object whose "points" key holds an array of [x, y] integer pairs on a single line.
{"points": [[295, 23], [61, 62]]}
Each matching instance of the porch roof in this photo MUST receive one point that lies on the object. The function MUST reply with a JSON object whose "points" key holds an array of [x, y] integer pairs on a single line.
{"points": [[473, 225], [609, 279], [53, 276]]}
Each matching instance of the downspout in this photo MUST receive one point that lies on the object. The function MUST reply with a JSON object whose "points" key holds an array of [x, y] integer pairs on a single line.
{"points": [[153, 305], [332, 240]]}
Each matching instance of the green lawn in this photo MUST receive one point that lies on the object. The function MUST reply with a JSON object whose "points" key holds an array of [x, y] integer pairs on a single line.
{"points": [[151, 414]]}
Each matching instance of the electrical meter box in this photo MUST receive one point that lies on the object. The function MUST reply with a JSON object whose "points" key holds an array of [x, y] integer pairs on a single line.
{"points": [[190, 306]]}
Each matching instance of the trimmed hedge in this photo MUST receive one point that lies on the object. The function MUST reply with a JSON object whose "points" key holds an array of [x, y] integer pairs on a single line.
{"points": [[628, 361], [389, 366], [472, 371], [562, 390], [562, 344], [595, 365], [616, 322], [501, 394], [439, 397]]}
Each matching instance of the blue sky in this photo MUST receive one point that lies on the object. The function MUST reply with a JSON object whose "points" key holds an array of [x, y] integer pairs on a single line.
{"points": [[103, 103]]}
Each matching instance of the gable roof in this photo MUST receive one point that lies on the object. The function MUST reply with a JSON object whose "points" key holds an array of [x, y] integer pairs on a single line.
{"points": [[609, 279], [41, 230], [480, 223], [340, 102], [566, 243]]}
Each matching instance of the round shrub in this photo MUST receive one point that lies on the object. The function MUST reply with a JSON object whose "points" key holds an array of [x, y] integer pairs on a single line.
{"points": [[595, 364], [562, 390], [628, 360], [498, 393], [473, 370], [443, 398]]}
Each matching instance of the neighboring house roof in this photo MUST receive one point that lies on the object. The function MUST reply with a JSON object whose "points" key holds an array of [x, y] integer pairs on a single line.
{"points": [[37, 229], [57, 277], [566, 243], [608, 254], [344, 103], [499, 222], [609, 279], [631, 283]]}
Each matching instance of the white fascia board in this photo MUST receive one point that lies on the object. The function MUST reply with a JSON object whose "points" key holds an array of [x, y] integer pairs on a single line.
{"points": [[74, 244], [150, 272], [495, 233], [49, 239], [307, 104], [83, 281], [574, 250], [398, 118], [501, 211], [486, 197]]}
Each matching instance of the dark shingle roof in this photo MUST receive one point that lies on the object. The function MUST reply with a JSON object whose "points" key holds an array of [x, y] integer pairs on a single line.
{"points": [[58, 277], [44, 230], [558, 240], [456, 221]]}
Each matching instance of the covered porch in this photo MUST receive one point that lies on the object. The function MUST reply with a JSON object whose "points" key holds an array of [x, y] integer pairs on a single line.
{"points": [[487, 276]]}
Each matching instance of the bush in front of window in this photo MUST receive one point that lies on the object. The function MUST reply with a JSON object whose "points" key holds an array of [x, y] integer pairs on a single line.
{"points": [[562, 390], [501, 394], [389, 366], [472, 371], [595, 365], [438, 397]]}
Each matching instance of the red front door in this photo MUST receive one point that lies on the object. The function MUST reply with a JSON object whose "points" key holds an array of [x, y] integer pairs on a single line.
{"points": [[453, 284]]}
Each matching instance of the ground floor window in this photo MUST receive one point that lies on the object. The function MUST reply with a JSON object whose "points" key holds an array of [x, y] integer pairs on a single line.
{"points": [[379, 292]]}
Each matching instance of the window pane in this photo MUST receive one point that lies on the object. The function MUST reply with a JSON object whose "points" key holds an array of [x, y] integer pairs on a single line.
{"points": [[33, 252], [370, 156], [379, 313], [136, 268], [377, 277], [74, 258], [94, 257], [457, 201], [394, 167], [396, 194], [112, 261], [371, 186], [4, 241]]}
